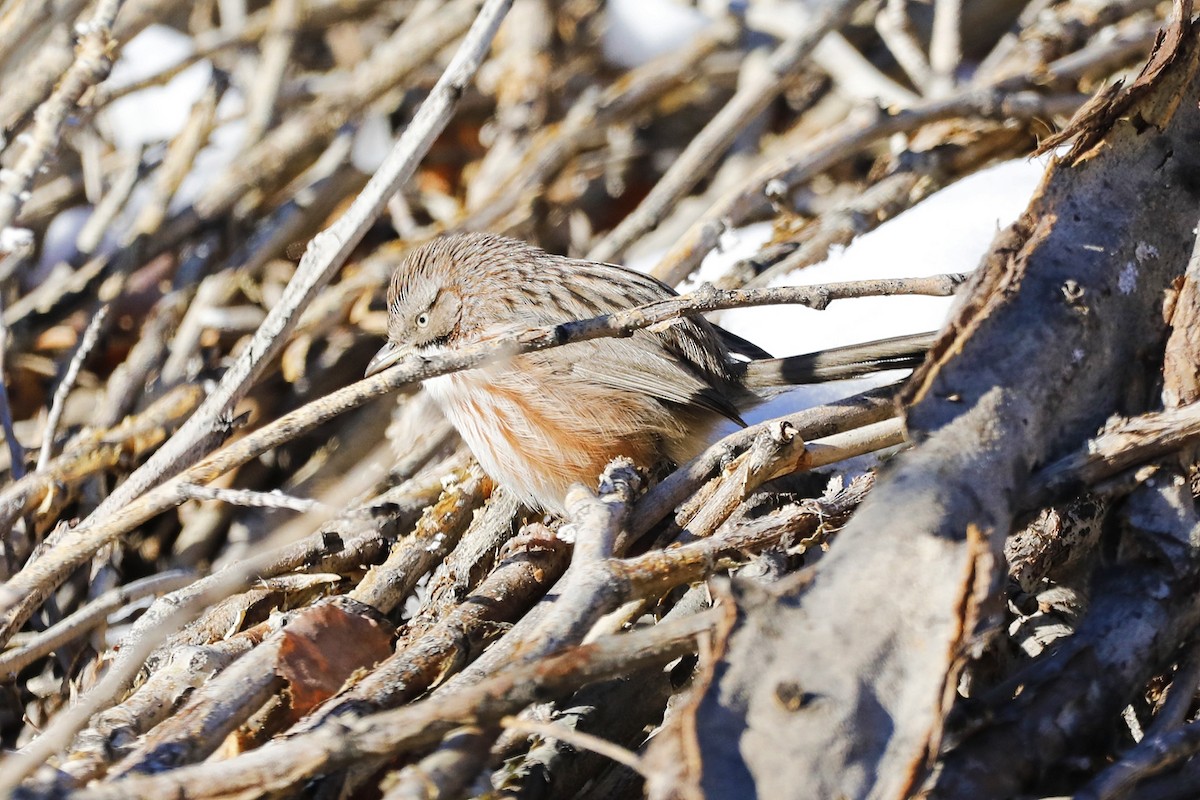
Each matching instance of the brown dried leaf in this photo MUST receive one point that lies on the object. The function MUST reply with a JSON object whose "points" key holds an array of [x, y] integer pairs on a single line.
{"points": [[323, 647]]}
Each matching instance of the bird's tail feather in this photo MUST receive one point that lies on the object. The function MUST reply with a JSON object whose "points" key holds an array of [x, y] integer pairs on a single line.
{"points": [[852, 361]]}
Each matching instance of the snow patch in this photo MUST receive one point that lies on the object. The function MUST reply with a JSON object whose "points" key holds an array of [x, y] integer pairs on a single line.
{"points": [[372, 142], [639, 31], [948, 232], [157, 112]]}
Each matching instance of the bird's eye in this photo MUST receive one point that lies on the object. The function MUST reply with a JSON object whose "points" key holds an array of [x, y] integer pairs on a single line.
{"points": [[423, 319]]}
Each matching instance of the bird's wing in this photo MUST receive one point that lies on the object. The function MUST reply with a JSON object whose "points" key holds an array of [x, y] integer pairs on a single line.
{"points": [[686, 362], [647, 288], [643, 364]]}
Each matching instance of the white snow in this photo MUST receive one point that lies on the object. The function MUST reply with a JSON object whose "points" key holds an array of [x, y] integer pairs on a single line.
{"points": [[949, 231], [639, 31], [372, 142], [156, 113]]}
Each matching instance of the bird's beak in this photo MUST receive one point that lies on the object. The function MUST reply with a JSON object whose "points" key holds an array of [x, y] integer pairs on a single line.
{"points": [[388, 355]]}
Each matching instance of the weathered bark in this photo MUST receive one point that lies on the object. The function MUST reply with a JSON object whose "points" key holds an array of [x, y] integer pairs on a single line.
{"points": [[1051, 340], [1146, 608]]}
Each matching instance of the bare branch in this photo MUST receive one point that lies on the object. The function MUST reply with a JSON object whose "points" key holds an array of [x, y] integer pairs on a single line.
{"points": [[86, 343]]}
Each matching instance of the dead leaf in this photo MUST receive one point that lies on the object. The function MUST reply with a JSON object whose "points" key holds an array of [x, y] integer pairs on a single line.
{"points": [[323, 647]]}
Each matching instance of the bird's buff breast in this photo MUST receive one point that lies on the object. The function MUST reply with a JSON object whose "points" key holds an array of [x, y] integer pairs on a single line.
{"points": [[537, 440]]}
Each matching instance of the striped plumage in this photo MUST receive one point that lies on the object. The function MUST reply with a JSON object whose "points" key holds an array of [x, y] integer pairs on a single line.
{"points": [[538, 422]]}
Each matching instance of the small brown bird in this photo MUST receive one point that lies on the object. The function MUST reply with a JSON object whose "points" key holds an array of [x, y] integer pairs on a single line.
{"points": [[539, 422]]}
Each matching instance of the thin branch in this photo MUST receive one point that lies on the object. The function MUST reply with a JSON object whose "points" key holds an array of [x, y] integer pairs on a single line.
{"points": [[563, 619], [1174, 710], [251, 499], [91, 236], [945, 47], [858, 130], [896, 30], [97, 450], [1151, 756], [437, 533], [446, 772], [86, 343], [841, 224], [16, 453], [777, 450], [1125, 444], [706, 298], [181, 155], [658, 571], [854, 74], [20, 20], [812, 423], [276, 51], [580, 740], [856, 77]]}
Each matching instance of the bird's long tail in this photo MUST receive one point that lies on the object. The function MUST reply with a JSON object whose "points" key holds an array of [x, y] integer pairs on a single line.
{"points": [[852, 361]]}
